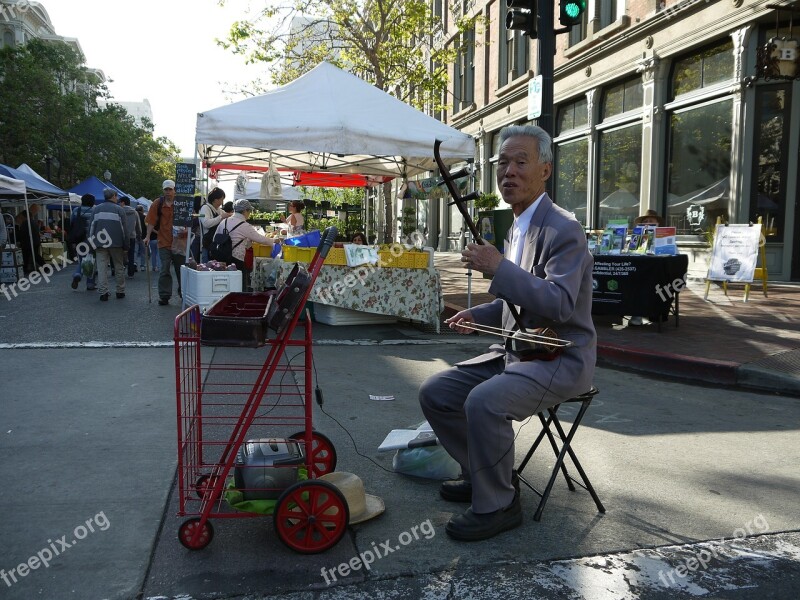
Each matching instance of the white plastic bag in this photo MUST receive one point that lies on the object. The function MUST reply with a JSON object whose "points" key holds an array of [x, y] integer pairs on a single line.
{"points": [[430, 462]]}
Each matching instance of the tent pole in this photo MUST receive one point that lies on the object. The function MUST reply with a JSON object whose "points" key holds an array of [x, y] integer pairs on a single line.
{"points": [[30, 231]]}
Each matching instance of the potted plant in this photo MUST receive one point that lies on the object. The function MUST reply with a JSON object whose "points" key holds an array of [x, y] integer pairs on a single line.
{"points": [[488, 201]]}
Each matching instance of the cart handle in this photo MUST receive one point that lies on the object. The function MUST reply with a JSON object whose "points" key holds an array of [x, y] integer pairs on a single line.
{"points": [[326, 241]]}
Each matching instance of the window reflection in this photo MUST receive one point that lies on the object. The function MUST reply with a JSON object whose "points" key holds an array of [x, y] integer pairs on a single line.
{"points": [[572, 163], [706, 68], [768, 196], [698, 185], [620, 174]]}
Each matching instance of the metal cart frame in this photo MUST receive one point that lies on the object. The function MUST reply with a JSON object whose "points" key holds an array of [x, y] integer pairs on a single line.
{"points": [[310, 515]]}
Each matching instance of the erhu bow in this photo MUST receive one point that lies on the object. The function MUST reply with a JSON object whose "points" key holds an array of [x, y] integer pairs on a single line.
{"points": [[540, 343]]}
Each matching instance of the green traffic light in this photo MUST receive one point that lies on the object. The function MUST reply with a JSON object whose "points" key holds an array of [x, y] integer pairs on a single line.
{"points": [[572, 9]]}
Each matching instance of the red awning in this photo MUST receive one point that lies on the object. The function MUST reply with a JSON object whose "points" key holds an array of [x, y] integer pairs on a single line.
{"points": [[308, 178], [322, 179]]}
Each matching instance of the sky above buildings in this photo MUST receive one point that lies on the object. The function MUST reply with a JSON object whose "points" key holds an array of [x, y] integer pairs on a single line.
{"points": [[161, 50]]}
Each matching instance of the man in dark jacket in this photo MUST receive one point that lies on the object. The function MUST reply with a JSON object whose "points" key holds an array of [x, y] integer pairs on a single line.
{"points": [[134, 232], [111, 231]]}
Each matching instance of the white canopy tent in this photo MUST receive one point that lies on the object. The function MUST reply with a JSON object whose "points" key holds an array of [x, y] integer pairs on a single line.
{"points": [[328, 120], [16, 188]]}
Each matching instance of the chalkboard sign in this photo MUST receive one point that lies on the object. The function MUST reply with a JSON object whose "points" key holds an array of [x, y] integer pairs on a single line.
{"points": [[184, 178], [182, 211]]}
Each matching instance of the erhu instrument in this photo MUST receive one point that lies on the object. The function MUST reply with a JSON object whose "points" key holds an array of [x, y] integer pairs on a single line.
{"points": [[542, 343]]}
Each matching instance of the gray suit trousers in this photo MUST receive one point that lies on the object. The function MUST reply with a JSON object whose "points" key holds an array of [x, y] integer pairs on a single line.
{"points": [[471, 409]]}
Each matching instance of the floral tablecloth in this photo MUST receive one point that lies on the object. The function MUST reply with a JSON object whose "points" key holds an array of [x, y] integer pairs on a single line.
{"points": [[414, 294]]}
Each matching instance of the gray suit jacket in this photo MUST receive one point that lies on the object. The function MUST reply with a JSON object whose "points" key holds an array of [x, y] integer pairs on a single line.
{"points": [[552, 287]]}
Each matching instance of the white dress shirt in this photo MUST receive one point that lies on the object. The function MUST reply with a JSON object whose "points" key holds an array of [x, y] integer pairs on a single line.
{"points": [[518, 231]]}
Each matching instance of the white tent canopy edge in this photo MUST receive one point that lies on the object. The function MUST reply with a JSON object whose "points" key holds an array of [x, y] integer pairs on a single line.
{"points": [[328, 120]]}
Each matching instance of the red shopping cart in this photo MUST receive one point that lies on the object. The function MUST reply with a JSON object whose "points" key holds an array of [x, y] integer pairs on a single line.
{"points": [[232, 460]]}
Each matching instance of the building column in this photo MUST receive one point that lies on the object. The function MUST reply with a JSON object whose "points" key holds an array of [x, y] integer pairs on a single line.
{"points": [[592, 166], [742, 130], [654, 87]]}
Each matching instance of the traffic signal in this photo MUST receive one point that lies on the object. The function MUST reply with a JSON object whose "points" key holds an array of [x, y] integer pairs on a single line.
{"points": [[521, 15], [571, 12]]}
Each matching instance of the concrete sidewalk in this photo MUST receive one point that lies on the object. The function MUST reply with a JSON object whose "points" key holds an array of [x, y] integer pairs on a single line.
{"points": [[722, 341]]}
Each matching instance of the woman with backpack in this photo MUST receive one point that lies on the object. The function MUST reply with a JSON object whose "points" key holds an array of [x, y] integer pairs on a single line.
{"points": [[241, 235], [212, 215]]}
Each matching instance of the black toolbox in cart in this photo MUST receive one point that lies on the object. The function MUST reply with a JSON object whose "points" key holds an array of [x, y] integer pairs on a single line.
{"points": [[237, 319]]}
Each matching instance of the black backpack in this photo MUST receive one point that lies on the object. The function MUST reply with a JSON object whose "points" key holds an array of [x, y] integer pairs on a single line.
{"points": [[221, 247], [77, 228]]}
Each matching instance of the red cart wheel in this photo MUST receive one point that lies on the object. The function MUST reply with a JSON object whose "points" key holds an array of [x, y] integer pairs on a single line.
{"points": [[311, 516], [194, 536], [323, 454]]}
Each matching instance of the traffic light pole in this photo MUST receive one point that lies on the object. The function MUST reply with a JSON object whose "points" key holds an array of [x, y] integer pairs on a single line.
{"points": [[546, 56]]}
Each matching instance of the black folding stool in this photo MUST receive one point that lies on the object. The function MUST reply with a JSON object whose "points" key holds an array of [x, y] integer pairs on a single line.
{"points": [[566, 440]]}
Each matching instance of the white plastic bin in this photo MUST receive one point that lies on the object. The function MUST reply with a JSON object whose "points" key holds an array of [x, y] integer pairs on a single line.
{"points": [[204, 287]]}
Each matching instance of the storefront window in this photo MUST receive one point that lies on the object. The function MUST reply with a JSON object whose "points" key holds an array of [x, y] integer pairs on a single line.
{"points": [[703, 69], [464, 74], [698, 174], [574, 115], [571, 172], [513, 51], [768, 195], [619, 174], [622, 98]]}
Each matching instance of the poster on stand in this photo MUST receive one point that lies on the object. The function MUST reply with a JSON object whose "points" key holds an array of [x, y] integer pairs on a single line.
{"points": [[734, 253]]}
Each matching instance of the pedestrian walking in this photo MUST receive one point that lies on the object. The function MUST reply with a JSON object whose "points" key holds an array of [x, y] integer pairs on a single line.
{"points": [[160, 219], [134, 232], [79, 225], [141, 251], [109, 226]]}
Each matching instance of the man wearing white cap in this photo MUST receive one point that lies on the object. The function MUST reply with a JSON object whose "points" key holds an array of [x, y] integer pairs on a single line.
{"points": [[159, 218]]}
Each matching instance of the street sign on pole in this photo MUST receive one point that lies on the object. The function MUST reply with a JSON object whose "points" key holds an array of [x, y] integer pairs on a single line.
{"points": [[535, 88]]}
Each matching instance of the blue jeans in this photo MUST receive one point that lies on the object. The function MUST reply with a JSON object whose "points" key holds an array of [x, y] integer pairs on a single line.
{"points": [[155, 260], [141, 254], [78, 274]]}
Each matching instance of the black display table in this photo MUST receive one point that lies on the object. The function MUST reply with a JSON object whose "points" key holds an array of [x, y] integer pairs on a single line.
{"points": [[644, 285]]}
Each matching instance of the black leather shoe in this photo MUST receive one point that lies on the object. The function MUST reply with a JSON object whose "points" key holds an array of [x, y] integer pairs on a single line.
{"points": [[456, 490], [473, 527], [104, 298], [120, 295], [75, 282], [163, 301]]}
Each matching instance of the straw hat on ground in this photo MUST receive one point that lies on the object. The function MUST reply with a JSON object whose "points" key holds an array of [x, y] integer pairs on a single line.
{"points": [[362, 506]]}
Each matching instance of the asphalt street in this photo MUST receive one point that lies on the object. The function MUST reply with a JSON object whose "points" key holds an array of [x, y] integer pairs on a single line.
{"points": [[700, 483]]}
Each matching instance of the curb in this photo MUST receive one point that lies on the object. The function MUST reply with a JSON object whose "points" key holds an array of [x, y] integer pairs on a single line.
{"points": [[675, 365]]}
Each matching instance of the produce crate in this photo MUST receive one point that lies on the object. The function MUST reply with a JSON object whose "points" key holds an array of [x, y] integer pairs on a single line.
{"points": [[297, 254], [407, 260], [261, 250], [336, 256]]}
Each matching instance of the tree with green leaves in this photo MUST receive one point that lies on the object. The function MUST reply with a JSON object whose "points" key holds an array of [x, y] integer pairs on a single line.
{"points": [[49, 112], [390, 44]]}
